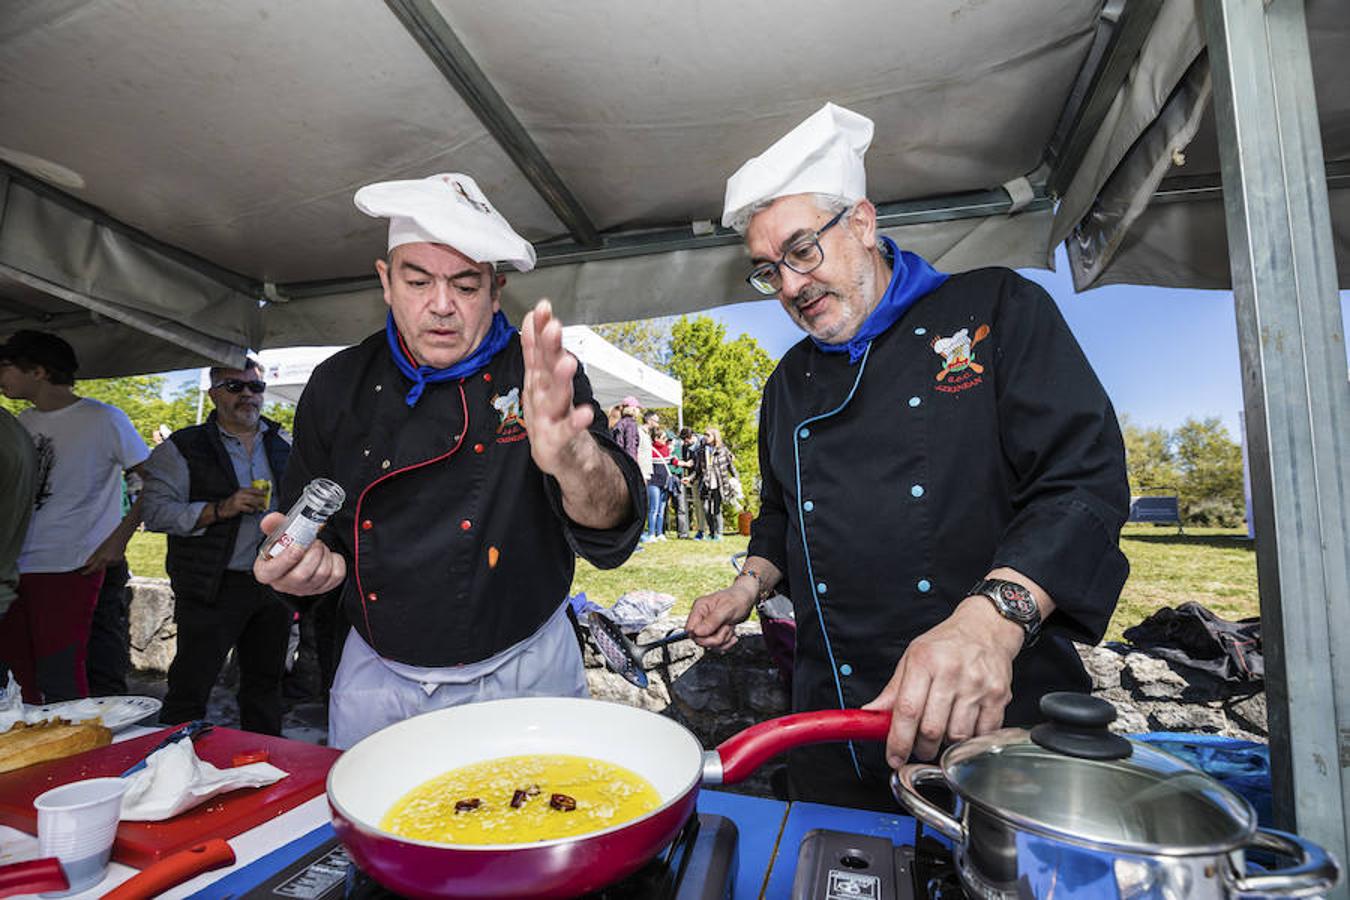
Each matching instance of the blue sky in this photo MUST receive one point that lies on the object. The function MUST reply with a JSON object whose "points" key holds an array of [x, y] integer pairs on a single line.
{"points": [[1163, 354]]}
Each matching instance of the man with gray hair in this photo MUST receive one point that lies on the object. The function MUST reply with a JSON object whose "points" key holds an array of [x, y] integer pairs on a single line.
{"points": [[207, 487], [943, 475]]}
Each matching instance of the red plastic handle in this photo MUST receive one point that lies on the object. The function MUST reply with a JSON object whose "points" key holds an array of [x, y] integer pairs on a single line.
{"points": [[172, 870], [32, 876], [745, 752]]}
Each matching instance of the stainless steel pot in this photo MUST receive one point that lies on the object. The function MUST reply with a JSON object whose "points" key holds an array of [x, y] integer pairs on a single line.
{"points": [[1070, 810]]}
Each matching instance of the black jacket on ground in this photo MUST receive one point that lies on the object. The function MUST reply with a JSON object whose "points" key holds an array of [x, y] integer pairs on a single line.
{"points": [[891, 486], [195, 564], [456, 543]]}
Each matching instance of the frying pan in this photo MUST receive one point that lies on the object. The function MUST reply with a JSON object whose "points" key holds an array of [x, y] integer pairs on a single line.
{"points": [[370, 777]]}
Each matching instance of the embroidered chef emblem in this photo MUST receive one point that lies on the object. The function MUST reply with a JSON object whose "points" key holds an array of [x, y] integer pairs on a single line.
{"points": [[959, 370], [512, 424]]}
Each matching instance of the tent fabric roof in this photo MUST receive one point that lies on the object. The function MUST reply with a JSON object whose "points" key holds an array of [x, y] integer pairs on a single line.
{"points": [[215, 147]]}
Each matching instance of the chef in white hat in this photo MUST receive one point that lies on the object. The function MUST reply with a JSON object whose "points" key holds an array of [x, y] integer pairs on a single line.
{"points": [[943, 530], [476, 466]]}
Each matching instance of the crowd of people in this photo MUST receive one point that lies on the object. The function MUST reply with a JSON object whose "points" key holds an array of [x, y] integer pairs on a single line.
{"points": [[685, 471], [942, 486]]}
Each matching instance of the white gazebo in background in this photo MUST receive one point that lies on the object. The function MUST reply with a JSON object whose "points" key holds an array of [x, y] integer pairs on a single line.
{"points": [[614, 374]]}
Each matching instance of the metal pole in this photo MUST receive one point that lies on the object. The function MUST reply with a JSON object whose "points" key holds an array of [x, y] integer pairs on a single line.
{"points": [[1296, 398]]}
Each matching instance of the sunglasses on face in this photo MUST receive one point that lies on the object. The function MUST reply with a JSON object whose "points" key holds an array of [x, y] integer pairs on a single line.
{"points": [[235, 386]]}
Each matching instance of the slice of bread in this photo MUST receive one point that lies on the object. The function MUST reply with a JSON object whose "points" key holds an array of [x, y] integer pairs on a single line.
{"points": [[23, 745]]}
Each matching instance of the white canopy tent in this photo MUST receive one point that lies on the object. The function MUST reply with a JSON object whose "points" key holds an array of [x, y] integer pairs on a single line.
{"points": [[178, 177], [613, 373]]}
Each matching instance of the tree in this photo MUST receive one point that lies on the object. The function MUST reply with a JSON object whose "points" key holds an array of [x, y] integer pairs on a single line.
{"points": [[141, 397], [723, 381], [648, 340], [1148, 457], [1209, 463]]}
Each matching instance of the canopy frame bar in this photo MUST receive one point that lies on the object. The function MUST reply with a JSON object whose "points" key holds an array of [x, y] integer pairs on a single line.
{"points": [[241, 283], [1122, 49], [622, 244], [1186, 188], [448, 53], [1296, 398]]}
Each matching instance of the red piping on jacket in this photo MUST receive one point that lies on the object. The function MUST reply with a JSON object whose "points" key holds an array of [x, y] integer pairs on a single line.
{"points": [[356, 523]]}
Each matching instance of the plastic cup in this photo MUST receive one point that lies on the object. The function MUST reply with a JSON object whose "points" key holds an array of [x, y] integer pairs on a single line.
{"points": [[77, 823]]}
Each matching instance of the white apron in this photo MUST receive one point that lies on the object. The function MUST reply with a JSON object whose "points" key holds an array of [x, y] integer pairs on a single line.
{"points": [[370, 692]]}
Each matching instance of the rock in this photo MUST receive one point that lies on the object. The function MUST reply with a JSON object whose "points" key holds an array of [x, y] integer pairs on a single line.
{"points": [[1104, 665], [154, 636], [1200, 718], [1152, 678], [1250, 713]]}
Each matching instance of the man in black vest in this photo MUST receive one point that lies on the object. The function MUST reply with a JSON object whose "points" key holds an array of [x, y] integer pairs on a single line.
{"points": [[208, 487]]}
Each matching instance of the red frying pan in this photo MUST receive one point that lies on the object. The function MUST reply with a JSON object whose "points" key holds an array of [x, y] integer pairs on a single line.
{"points": [[368, 779]]}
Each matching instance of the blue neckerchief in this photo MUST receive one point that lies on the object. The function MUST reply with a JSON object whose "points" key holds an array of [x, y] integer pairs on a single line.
{"points": [[911, 278], [497, 337]]}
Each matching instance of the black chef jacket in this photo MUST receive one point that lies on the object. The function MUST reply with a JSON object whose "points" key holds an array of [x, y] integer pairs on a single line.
{"points": [[456, 543], [891, 486]]}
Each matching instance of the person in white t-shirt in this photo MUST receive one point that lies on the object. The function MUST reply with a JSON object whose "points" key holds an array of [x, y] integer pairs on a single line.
{"points": [[84, 448]]}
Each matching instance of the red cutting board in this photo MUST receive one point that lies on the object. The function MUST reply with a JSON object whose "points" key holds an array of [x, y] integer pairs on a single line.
{"points": [[141, 843]]}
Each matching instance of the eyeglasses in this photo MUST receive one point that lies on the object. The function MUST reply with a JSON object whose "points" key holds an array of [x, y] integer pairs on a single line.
{"points": [[235, 386], [803, 257]]}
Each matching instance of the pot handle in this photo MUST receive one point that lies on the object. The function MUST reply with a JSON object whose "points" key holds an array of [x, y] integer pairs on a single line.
{"points": [[743, 753], [904, 785], [1316, 872]]}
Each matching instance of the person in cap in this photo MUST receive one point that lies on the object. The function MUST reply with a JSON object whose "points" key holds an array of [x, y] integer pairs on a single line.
{"points": [[78, 528], [476, 466], [943, 475]]}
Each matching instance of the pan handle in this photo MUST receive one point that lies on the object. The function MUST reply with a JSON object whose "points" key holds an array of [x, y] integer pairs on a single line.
{"points": [[743, 753], [1315, 873], [904, 785], [174, 869]]}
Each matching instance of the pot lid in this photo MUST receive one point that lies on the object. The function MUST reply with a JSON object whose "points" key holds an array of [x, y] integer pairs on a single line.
{"points": [[1070, 778]]}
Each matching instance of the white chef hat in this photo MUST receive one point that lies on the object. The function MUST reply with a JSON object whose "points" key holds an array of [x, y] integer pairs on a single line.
{"points": [[822, 155], [446, 209]]}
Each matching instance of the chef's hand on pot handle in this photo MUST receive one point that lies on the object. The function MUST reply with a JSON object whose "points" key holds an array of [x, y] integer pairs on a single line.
{"points": [[301, 573], [955, 680]]}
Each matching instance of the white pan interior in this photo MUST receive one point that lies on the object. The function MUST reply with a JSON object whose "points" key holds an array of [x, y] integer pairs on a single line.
{"points": [[371, 776]]}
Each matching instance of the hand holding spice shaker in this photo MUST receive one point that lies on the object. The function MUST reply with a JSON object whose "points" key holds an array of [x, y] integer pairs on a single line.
{"points": [[319, 500]]}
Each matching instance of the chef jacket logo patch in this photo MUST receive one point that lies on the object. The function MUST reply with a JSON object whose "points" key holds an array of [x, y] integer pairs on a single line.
{"points": [[960, 371], [512, 424]]}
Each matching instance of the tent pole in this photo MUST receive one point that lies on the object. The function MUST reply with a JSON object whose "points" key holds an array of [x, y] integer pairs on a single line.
{"points": [[1296, 398]]}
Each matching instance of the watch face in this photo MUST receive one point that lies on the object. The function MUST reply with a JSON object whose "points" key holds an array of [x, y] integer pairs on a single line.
{"points": [[1018, 600]]}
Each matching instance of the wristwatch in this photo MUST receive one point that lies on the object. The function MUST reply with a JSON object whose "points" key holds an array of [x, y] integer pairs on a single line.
{"points": [[1013, 602]]}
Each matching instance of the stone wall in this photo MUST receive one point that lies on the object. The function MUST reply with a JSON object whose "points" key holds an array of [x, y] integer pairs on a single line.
{"points": [[717, 695]]}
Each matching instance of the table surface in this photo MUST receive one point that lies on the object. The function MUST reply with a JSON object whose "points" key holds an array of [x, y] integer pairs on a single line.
{"points": [[770, 833]]}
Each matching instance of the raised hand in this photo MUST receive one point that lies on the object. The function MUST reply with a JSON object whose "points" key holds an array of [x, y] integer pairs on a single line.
{"points": [[556, 428]]}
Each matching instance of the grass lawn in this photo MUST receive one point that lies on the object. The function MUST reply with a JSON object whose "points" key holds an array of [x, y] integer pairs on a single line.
{"points": [[1216, 567]]}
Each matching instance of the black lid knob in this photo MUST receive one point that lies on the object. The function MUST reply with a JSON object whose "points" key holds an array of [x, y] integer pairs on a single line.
{"points": [[1077, 726]]}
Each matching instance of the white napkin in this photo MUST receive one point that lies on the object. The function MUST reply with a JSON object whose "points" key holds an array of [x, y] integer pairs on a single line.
{"points": [[175, 779], [11, 705]]}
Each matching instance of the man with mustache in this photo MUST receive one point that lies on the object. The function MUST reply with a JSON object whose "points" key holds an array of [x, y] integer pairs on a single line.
{"points": [[199, 489], [476, 466], [943, 521]]}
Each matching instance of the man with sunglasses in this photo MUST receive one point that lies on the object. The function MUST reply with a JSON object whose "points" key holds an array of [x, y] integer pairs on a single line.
{"points": [[943, 475], [200, 490]]}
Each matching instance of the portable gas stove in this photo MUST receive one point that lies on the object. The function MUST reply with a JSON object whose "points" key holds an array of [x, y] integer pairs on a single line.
{"points": [[698, 865], [838, 864]]}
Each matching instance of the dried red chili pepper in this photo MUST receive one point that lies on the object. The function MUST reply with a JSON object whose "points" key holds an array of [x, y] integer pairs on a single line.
{"points": [[467, 805], [562, 802], [518, 799]]}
